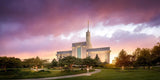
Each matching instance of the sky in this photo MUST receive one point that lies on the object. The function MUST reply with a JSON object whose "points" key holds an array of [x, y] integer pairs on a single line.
{"points": [[30, 28]]}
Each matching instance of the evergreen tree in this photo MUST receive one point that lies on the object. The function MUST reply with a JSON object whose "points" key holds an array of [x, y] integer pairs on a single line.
{"points": [[54, 63], [97, 60]]}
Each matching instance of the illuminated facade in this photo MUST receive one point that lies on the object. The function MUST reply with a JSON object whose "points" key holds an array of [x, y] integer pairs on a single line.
{"points": [[84, 49]]}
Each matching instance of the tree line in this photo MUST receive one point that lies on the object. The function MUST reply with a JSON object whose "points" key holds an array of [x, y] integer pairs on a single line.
{"points": [[68, 62], [140, 57], [12, 62], [65, 63]]}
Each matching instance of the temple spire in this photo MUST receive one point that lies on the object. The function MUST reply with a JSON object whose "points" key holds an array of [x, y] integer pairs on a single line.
{"points": [[88, 38]]}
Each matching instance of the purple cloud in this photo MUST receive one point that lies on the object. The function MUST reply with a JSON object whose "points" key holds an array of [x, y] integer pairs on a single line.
{"points": [[22, 20]]}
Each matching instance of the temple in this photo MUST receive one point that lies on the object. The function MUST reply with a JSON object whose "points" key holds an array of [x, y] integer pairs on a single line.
{"points": [[84, 49]]}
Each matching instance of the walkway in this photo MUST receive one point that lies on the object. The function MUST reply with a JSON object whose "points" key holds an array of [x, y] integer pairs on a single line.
{"points": [[68, 76]]}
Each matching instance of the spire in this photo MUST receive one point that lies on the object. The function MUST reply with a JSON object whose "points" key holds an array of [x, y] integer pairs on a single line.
{"points": [[88, 25], [88, 41]]}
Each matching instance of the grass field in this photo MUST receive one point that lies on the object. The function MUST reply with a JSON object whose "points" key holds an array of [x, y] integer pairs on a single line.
{"points": [[27, 73], [112, 74], [105, 74]]}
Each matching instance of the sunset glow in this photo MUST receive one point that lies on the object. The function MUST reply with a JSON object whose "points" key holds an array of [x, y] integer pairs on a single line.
{"points": [[30, 28]]}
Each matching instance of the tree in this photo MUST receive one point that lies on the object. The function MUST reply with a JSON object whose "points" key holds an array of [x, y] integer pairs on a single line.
{"points": [[36, 62], [88, 61], [14, 62], [9, 62], [156, 54], [123, 59], [60, 62], [97, 60], [79, 62], [144, 59], [136, 53], [54, 63], [28, 63], [69, 61], [135, 56]]}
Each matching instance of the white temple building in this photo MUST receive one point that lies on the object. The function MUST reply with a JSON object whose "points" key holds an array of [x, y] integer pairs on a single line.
{"points": [[84, 49]]}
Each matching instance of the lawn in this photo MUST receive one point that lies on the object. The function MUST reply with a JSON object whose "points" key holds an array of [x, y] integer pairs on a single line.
{"points": [[105, 74], [113, 74], [27, 73]]}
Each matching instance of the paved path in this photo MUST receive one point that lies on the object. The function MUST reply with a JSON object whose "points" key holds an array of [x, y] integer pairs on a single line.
{"points": [[68, 76]]}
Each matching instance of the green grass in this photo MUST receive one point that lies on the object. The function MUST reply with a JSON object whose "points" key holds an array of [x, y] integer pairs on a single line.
{"points": [[116, 74], [27, 73], [105, 74]]}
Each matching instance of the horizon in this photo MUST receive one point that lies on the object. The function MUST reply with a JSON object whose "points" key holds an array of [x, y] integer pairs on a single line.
{"points": [[41, 28]]}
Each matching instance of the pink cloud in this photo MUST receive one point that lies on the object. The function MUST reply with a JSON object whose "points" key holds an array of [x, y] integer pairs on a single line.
{"points": [[25, 26]]}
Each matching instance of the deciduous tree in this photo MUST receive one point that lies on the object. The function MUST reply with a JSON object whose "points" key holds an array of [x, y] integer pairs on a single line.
{"points": [[156, 54], [123, 59], [88, 61], [144, 59], [69, 61]]}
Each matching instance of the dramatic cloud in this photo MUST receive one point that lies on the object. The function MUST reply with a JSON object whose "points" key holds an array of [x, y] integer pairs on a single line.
{"points": [[45, 26]]}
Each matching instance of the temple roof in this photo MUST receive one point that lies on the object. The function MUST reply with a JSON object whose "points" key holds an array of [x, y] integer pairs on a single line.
{"points": [[63, 52], [99, 49]]}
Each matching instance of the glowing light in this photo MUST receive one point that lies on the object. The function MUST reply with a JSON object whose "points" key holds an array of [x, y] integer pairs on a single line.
{"points": [[66, 37]]}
